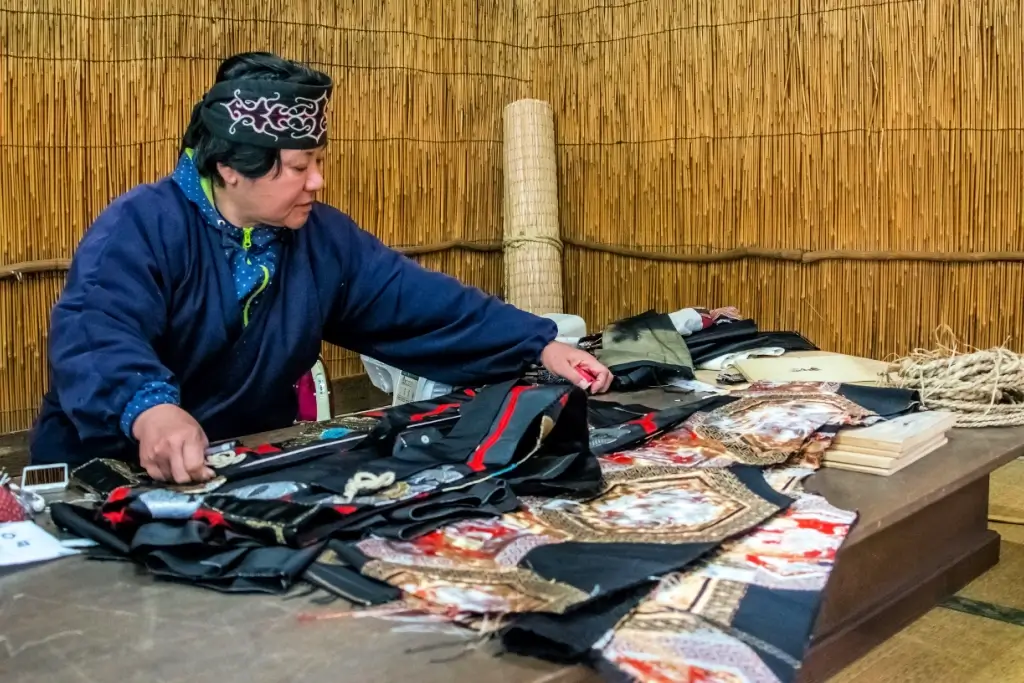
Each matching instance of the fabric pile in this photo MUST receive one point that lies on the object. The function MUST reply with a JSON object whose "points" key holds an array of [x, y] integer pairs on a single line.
{"points": [[653, 349], [654, 545]]}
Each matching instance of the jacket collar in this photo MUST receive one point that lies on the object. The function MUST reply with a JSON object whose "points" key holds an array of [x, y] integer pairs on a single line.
{"points": [[199, 191]]}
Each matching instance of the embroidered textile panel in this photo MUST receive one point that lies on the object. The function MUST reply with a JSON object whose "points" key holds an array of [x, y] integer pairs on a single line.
{"points": [[756, 596]]}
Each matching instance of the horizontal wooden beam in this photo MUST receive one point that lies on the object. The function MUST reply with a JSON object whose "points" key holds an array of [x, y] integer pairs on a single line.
{"points": [[18, 270]]}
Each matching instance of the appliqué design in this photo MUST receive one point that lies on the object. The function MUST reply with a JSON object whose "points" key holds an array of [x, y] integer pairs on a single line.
{"points": [[660, 505], [267, 116]]}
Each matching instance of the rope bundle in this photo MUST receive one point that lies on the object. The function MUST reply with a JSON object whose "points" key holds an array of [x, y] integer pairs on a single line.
{"points": [[985, 388]]}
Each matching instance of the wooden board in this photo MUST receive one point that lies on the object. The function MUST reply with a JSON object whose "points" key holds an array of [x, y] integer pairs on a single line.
{"points": [[899, 435], [885, 472], [885, 460], [823, 368]]}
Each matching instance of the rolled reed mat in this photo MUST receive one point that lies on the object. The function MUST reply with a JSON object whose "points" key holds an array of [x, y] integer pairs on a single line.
{"points": [[531, 243]]}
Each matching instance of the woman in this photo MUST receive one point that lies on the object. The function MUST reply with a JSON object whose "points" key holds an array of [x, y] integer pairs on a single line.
{"points": [[195, 303]]}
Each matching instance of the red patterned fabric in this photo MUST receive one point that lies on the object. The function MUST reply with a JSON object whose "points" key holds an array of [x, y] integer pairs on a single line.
{"points": [[10, 508]]}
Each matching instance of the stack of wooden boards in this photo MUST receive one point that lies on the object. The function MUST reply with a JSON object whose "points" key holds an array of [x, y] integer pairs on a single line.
{"points": [[888, 447]]}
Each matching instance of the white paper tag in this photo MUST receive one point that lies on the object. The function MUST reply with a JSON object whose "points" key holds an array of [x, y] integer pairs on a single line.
{"points": [[25, 542]]}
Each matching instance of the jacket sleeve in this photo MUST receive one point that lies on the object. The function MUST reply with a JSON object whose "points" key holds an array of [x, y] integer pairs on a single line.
{"points": [[390, 308], [104, 327]]}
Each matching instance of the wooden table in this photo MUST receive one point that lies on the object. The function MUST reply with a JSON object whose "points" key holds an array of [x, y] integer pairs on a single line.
{"points": [[921, 536]]}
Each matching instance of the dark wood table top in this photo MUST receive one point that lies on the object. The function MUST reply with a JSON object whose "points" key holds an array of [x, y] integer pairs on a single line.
{"points": [[87, 621]]}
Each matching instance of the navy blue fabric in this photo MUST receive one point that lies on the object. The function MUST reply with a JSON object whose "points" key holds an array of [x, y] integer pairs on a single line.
{"points": [[779, 619], [151, 298], [251, 265]]}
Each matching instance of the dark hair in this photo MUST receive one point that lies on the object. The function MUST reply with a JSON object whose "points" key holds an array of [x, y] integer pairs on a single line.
{"points": [[249, 160]]}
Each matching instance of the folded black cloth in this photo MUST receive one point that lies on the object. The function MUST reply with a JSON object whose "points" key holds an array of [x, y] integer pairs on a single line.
{"points": [[626, 435], [643, 351], [707, 350], [193, 552], [889, 402], [336, 570], [569, 638]]}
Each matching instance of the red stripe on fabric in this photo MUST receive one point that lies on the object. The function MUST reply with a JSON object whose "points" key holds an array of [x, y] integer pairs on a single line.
{"points": [[211, 517], [436, 411], [647, 422], [266, 448], [470, 393], [345, 509], [476, 463], [115, 517], [120, 493]]}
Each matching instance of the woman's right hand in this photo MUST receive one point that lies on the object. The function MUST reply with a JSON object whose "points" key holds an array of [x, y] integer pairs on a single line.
{"points": [[172, 445]]}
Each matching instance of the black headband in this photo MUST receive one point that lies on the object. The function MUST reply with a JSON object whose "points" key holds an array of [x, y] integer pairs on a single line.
{"points": [[275, 114]]}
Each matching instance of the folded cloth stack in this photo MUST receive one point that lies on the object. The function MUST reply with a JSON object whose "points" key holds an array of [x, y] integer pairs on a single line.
{"points": [[653, 349]]}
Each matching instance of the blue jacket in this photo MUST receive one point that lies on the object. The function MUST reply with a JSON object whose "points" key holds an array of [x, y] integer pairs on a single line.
{"points": [[153, 312]]}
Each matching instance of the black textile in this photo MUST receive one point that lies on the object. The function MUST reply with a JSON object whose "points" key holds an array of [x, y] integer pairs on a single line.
{"points": [[718, 335], [777, 624], [192, 552], [491, 498], [611, 574], [81, 522], [630, 434], [568, 638], [335, 572], [745, 340], [888, 402], [609, 413], [275, 114], [643, 351], [421, 467], [602, 568], [185, 553]]}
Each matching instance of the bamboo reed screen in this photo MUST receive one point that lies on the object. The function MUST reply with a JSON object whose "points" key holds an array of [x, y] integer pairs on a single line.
{"points": [[861, 162]]}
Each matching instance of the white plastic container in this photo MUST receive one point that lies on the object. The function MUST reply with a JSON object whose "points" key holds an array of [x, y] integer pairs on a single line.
{"points": [[570, 327], [404, 387]]}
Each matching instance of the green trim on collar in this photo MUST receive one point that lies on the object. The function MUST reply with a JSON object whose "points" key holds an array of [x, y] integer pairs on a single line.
{"points": [[207, 185]]}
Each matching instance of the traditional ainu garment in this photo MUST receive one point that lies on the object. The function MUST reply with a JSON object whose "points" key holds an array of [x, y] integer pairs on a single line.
{"points": [[565, 572], [418, 469], [696, 552], [167, 302]]}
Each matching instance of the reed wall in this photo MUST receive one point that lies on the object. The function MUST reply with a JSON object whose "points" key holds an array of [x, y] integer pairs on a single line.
{"points": [[849, 169]]}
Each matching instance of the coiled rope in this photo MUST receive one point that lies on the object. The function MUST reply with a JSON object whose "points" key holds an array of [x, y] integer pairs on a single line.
{"points": [[984, 388]]}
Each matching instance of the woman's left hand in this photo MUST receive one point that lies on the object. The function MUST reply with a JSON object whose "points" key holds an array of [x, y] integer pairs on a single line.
{"points": [[577, 366]]}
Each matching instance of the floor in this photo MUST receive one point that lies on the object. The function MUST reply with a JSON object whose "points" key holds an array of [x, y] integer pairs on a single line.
{"points": [[955, 642]]}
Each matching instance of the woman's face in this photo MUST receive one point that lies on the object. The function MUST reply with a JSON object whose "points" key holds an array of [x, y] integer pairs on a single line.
{"points": [[282, 198]]}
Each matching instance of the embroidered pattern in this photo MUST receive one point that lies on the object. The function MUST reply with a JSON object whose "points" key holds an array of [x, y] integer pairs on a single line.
{"points": [[267, 116], [480, 591], [486, 543], [691, 651], [793, 551], [660, 505], [224, 459], [764, 428]]}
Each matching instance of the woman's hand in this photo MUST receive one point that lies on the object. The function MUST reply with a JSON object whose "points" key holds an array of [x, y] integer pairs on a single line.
{"points": [[172, 445], [579, 367]]}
